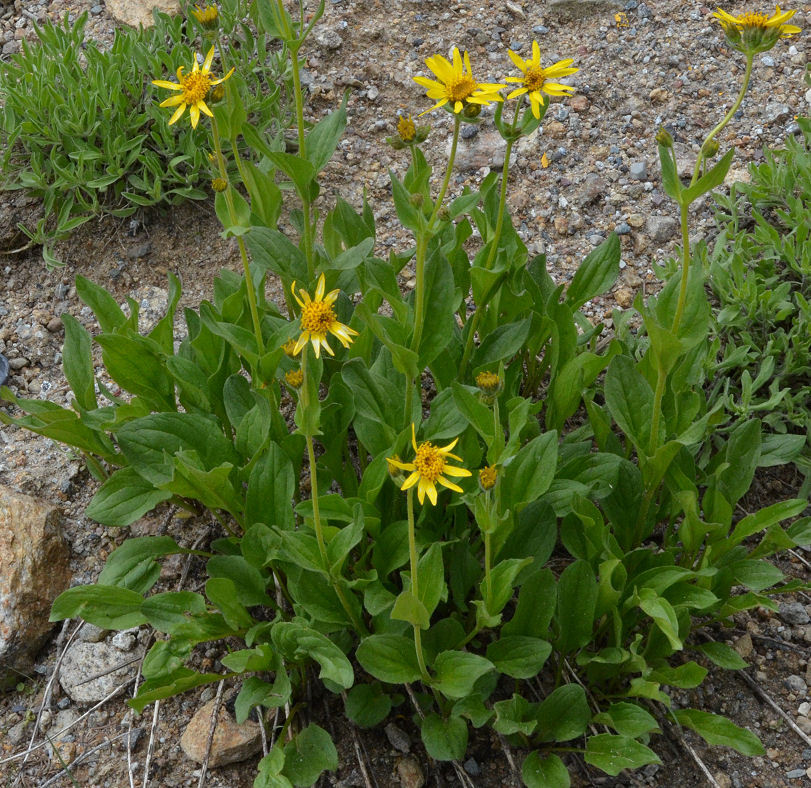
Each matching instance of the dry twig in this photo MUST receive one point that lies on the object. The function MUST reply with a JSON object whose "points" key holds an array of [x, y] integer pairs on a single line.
{"points": [[212, 726], [151, 745], [763, 695], [83, 756]]}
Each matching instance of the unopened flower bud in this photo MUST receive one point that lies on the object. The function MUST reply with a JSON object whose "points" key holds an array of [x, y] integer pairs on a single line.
{"points": [[489, 384], [207, 16], [406, 128], [422, 134], [663, 137], [709, 148], [289, 348], [488, 476], [416, 199], [294, 378], [219, 184], [444, 214], [217, 93], [472, 110]]}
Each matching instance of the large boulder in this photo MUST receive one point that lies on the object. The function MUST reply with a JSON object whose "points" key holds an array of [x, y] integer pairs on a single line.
{"points": [[34, 570], [139, 12]]}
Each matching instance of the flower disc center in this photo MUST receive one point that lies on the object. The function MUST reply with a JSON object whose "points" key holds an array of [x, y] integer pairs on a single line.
{"points": [[534, 78], [461, 87], [752, 19], [317, 317], [195, 87], [429, 462]]}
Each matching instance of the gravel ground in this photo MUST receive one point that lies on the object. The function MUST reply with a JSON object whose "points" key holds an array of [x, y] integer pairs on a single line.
{"points": [[669, 66]]}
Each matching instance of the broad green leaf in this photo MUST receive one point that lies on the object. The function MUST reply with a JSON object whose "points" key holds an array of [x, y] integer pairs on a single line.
{"points": [[124, 497], [389, 658], [308, 754], [708, 181], [760, 520], [670, 179], [367, 705], [529, 474], [544, 772], [630, 400], [77, 362], [563, 715], [661, 611], [108, 607], [612, 753], [577, 598], [271, 486], [686, 676], [132, 565], [180, 681], [300, 643], [519, 657], [248, 581], [722, 655], [222, 593], [444, 740], [596, 274], [323, 137], [457, 672], [718, 730], [408, 607], [165, 611], [627, 719]]}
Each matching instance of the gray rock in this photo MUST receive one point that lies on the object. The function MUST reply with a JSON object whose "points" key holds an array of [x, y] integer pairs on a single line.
{"points": [[775, 112], [90, 633], [662, 228], [125, 641], [639, 170], [84, 662], [33, 571], [409, 773], [472, 768], [795, 773], [767, 61], [139, 12], [16, 733], [623, 228], [327, 38], [231, 743], [796, 684], [577, 9], [398, 738], [793, 613]]}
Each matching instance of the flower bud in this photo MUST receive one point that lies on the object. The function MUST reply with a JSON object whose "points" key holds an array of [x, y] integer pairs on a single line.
{"points": [[294, 378], [416, 200], [663, 137], [217, 93], [289, 348], [207, 16], [219, 184], [490, 384], [406, 129], [709, 148], [471, 110], [422, 134], [488, 476], [444, 214]]}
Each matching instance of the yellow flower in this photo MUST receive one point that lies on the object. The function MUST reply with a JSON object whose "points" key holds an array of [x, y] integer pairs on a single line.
{"points": [[207, 16], [456, 83], [429, 467], [406, 128], [289, 348], [294, 378], [536, 79], [488, 476], [318, 319], [219, 184], [489, 383], [194, 88], [752, 32]]}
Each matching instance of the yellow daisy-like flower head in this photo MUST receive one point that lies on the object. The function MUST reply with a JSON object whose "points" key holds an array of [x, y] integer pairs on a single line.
{"points": [[752, 32], [318, 319], [537, 80], [194, 88], [488, 476], [406, 128], [430, 466], [207, 16], [294, 378], [455, 84]]}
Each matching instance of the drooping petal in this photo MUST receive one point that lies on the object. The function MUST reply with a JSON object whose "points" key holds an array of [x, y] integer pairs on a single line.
{"points": [[411, 481], [173, 101], [178, 113], [449, 485], [194, 112], [203, 107]]}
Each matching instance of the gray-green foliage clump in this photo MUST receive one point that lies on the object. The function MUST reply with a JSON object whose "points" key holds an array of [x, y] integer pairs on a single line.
{"points": [[79, 129]]}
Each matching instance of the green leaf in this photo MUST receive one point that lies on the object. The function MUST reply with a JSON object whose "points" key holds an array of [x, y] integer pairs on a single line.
{"points": [[367, 705], [165, 611], [444, 740], [577, 599], [723, 655], [408, 608], [708, 181], [300, 171], [718, 730], [756, 574], [269, 769], [104, 306], [458, 671], [596, 274], [630, 400], [612, 753], [686, 676], [271, 486], [514, 716], [439, 323], [300, 643], [180, 681], [124, 497], [519, 657], [760, 520], [323, 137], [528, 475], [222, 593], [108, 607], [537, 601], [544, 772], [501, 344], [389, 658], [661, 611], [670, 179], [563, 715], [247, 579], [502, 578], [627, 719], [273, 251], [77, 362], [309, 753], [477, 414], [132, 565]]}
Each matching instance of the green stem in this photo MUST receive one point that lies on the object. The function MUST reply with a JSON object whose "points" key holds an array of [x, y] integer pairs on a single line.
{"points": [[685, 268], [488, 580], [733, 109], [412, 557], [661, 379], [229, 200], [302, 152], [447, 179], [491, 256]]}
